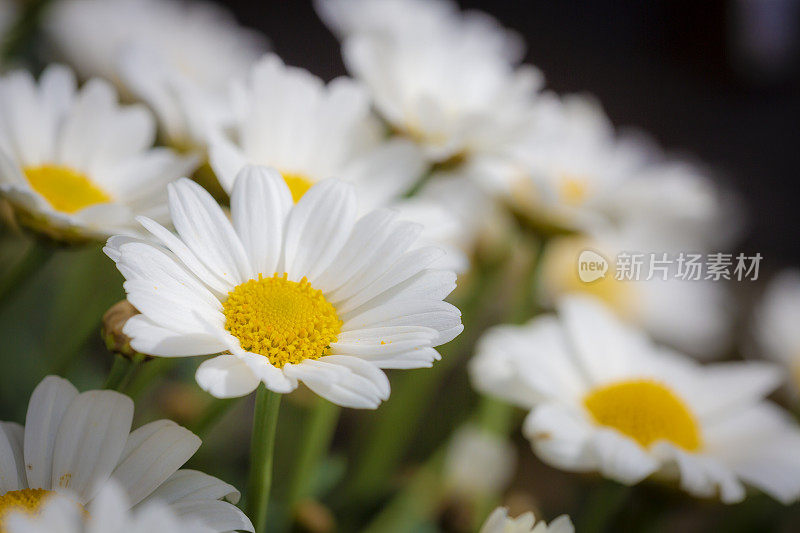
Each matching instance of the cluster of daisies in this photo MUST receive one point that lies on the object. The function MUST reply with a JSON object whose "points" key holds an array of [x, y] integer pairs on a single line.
{"points": [[297, 231]]}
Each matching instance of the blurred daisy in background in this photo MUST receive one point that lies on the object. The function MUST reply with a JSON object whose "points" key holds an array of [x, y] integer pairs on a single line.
{"points": [[449, 84], [604, 398], [109, 512], [775, 326], [500, 522], [74, 163], [293, 292], [572, 171], [478, 462], [405, 19], [288, 119], [177, 56], [74, 445], [694, 316]]}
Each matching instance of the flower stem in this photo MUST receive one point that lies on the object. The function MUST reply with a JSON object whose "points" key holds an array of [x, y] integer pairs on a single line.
{"points": [[119, 371], [262, 447], [317, 435]]}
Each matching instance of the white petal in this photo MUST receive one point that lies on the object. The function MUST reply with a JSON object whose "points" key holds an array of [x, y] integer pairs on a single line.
{"points": [[149, 338], [90, 440], [12, 462], [226, 376], [207, 232], [190, 485], [346, 381], [220, 516], [152, 454], [260, 203], [46, 409], [318, 227]]}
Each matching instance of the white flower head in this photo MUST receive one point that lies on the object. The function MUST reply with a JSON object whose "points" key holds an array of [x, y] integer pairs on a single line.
{"points": [[177, 56], [288, 119], [76, 444], [76, 164], [693, 315], [425, 19], [291, 292], [571, 169], [478, 462], [449, 84], [109, 511], [775, 323], [603, 398], [500, 522]]}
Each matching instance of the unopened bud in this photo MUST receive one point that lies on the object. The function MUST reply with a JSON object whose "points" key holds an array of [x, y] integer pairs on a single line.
{"points": [[114, 321]]}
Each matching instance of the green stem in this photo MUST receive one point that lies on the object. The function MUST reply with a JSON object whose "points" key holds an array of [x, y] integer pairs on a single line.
{"points": [[528, 303], [119, 372], [262, 447], [148, 374], [32, 261], [316, 440]]}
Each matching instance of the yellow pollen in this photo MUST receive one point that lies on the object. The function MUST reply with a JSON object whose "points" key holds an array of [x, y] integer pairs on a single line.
{"points": [[645, 411], [573, 189], [26, 501], [66, 190], [298, 184], [283, 320]]}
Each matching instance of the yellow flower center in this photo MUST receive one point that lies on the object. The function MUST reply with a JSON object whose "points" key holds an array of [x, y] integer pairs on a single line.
{"points": [[298, 184], [645, 411], [283, 320], [26, 501], [66, 190], [573, 189]]}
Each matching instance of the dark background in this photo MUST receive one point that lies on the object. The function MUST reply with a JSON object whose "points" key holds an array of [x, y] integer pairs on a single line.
{"points": [[681, 70]]}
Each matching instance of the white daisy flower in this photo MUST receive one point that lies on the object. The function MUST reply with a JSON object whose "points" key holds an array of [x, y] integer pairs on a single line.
{"points": [[109, 511], [775, 326], [500, 522], [75, 444], [604, 398], [572, 170], [478, 462], [288, 119], [692, 315], [448, 89], [409, 19], [177, 56], [291, 293], [76, 164]]}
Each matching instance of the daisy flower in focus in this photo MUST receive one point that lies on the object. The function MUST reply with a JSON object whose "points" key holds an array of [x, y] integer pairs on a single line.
{"points": [[175, 55], [571, 170], [288, 119], [500, 522], [604, 398], [449, 84], [694, 316], [74, 163], [775, 326], [289, 292], [109, 511], [73, 445]]}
